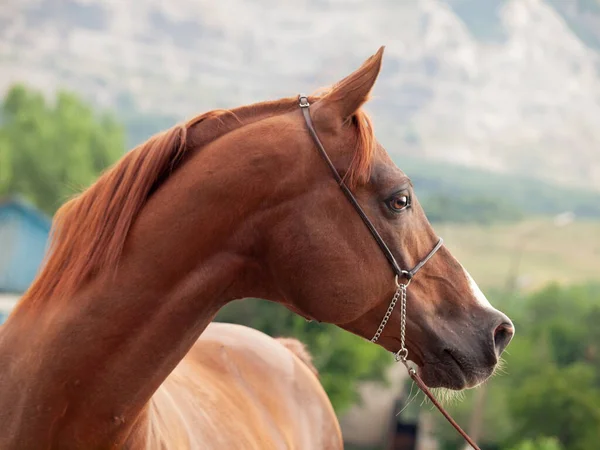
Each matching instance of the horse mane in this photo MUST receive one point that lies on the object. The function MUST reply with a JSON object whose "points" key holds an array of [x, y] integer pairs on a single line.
{"points": [[90, 230], [300, 350]]}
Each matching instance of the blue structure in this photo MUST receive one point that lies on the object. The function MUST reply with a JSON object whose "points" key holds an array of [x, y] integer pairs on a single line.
{"points": [[24, 232]]}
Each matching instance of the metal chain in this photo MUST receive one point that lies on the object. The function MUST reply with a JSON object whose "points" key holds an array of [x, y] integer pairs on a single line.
{"points": [[400, 293], [388, 313], [402, 354]]}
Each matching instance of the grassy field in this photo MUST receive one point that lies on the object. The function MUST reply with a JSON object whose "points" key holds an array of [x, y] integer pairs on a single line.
{"points": [[567, 254]]}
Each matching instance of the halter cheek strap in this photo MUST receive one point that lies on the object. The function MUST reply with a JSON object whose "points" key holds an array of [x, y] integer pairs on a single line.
{"points": [[402, 354], [407, 274]]}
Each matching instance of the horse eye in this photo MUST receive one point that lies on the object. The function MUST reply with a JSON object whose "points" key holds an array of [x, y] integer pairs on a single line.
{"points": [[399, 202]]}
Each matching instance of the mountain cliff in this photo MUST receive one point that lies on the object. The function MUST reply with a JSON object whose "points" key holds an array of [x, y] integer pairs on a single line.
{"points": [[506, 85]]}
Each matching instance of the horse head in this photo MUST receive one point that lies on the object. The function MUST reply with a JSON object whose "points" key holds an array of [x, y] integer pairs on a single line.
{"points": [[327, 266]]}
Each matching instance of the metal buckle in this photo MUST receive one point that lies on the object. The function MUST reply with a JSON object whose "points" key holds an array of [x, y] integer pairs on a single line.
{"points": [[401, 355], [303, 101]]}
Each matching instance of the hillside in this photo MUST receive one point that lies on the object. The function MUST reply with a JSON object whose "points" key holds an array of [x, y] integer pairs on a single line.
{"points": [[504, 85], [567, 255]]}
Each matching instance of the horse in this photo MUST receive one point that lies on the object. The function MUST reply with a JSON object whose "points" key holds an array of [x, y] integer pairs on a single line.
{"points": [[294, 201]]}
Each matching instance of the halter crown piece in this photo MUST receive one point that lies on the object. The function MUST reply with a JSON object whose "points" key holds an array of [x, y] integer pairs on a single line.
{"points": [[400, 294]]}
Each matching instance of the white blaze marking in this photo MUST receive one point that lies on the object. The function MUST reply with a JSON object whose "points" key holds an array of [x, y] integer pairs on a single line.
{"points": [[479, 296]]}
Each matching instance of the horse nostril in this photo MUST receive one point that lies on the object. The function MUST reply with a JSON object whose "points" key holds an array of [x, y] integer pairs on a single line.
{"points": [[503, 334]]}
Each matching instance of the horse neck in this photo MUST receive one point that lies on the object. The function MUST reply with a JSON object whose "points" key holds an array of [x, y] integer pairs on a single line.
{"points": [[91, 363]]}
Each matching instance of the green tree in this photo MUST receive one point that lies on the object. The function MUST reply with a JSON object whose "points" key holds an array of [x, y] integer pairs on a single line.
{"points": [[343, 359], [48, 151]]}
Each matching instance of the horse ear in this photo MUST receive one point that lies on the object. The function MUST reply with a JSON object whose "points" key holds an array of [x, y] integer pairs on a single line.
{"points": [[352, 92]]}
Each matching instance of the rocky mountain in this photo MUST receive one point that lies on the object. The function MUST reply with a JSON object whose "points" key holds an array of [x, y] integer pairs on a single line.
{"points": [[506, 85]]}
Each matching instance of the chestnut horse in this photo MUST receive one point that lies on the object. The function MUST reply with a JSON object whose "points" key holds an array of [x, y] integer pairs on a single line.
{"points": [[231, 204]]}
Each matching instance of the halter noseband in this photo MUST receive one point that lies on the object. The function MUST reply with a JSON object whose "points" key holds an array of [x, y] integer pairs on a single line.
{"points": [[402, 354]]}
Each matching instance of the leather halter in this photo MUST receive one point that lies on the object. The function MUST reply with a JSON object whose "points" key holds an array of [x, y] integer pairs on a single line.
{"points": [[407, 274]]}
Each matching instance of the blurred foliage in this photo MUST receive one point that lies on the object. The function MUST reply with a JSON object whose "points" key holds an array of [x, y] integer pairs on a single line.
{"points": [[342, 359], [552, 385], [538, 444], [48, 151]]}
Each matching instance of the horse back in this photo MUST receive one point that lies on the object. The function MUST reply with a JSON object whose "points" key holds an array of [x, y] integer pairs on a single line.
{"points": [[239, 388]]}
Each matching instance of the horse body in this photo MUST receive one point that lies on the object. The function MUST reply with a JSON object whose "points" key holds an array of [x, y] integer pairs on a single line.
{"points": [[239, 388], [227, 206]]}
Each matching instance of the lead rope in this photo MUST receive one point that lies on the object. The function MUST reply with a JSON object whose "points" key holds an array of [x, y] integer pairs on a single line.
{"points": [[402, 355]]}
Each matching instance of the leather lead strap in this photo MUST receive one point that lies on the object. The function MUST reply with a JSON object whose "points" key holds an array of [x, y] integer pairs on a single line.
{"points": [[413, 374]]}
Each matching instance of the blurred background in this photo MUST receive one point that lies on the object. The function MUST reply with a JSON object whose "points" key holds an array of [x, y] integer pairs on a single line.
{"points": [[492, 107]]}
